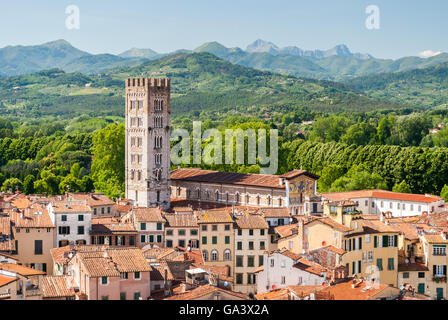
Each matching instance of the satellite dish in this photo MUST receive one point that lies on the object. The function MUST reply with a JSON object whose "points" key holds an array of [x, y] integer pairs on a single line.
{"points": [[406, 261], [226, 283]]}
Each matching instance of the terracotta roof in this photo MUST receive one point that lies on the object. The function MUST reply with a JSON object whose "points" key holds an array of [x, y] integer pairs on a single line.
{"points": [[122, 208], [435, 238], [281, 294], [201, 291], [310, 267], [5, 225], [93, 199], [286, 253], [110, 225], [183, 209], [331, 222], [251, 221], [110, 262], [213, 216], [412, 267], [275, 212], [148, 215], [66, 206], [158, 271], [376, 226], [248, 179], [181, 220], [335, 249], [36, 216], [20, 269], [305, 290], [59, 255], [344, 291], [21, 203], [4, 280], [56, 287], [129, 259], [381, 194], [155, 252], [286, 230], [295, 173], [221, 271]]}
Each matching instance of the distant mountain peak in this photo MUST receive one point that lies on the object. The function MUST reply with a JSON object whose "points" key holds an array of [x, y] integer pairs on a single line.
{"points": [[262, 46], [139, 53], [269, 47]]}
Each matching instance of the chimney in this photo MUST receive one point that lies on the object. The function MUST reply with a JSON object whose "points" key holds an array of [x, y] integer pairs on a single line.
{"points": [[280, 181]]}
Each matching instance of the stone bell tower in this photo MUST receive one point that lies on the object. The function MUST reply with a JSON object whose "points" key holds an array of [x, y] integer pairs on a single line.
{"points": [[148, 142]]}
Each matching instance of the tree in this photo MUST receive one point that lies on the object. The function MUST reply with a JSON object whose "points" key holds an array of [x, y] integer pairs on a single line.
{"points": [[109, 160], [412, 129], [444, 192], [384, 129], [328, 175], [358, 178], [402, 187], [11, 185], [329, 129], [28, 184], [359, 134]]}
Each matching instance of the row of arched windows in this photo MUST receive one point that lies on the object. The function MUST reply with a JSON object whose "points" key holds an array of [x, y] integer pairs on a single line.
{"points": [[226, 197], [214, 255]]}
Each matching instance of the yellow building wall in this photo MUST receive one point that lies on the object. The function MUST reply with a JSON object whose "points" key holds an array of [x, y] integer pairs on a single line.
{"points": [[386, 276], [25, 242]]}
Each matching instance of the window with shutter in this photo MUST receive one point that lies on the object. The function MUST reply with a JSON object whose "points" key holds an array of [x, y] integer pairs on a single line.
{"points": [[385, 241], [375, 242]]}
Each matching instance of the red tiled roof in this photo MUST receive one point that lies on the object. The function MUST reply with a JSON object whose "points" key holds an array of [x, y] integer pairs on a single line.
{"points": [[275, 212], [251, 221], [280, 294], [381, 194], [295, 173], [4, 280], [248, 179], [20, 269], [201, 291], [148, 215], [56, 287]]}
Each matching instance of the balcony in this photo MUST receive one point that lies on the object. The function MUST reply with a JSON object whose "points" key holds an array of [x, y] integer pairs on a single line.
{"points": [[439, 278]]}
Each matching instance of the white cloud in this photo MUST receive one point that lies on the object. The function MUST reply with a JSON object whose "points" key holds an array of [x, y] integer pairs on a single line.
{"points": [[429, 54]]}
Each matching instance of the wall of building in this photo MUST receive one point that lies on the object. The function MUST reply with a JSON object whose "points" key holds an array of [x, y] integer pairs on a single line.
{"points": [[26, 247], [258, 251]]}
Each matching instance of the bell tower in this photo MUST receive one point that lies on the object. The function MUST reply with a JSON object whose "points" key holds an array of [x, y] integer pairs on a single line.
{"points": [[148, 142]]}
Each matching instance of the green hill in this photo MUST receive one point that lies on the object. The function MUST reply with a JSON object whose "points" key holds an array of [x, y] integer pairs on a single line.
{"points": [[200, 82], [421, 87]]}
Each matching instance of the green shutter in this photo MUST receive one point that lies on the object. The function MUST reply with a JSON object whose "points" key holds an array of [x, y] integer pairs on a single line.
{"points": [[375, 242], [360, 243], [359, 266], [204, 240], [353, 267], [385, 241], [379, 264], [395, 241]]}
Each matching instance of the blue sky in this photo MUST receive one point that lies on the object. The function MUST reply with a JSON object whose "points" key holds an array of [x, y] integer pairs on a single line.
{"points": [[406, 27]]}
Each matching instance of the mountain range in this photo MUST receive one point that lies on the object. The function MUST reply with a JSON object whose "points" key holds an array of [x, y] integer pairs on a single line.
{"points": [[337, 64]]}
